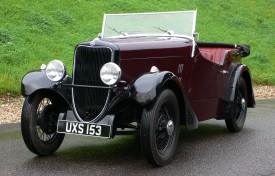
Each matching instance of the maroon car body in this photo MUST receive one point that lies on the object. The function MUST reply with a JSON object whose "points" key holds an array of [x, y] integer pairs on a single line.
{"points": [[158, 82], [204, 78]]}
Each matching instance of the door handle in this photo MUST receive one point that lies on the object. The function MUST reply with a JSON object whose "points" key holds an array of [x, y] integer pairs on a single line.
{"points": [[223, 71]]}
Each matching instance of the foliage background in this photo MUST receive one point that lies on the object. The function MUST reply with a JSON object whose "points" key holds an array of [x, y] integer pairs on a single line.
{"points": [[33, 32]]}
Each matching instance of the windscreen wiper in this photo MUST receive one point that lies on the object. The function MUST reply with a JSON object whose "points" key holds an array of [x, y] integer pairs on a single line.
{"points": [[164, 30], [117, 31]]}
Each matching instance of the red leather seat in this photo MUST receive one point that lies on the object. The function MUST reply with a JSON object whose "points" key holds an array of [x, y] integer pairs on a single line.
{"points": [[216, 55]]}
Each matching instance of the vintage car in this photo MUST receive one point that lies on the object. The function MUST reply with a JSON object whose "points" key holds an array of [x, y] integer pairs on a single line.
{"points": [[144, 74]]}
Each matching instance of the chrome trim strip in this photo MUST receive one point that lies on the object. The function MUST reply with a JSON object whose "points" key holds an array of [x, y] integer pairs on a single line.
{"points": [[169, 12], [194, 30], [85, 86], [151, 35], [103, 25]]}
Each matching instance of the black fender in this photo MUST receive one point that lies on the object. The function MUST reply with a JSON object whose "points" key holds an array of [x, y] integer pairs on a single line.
{"points": [[147, 87], [238, 71], [37, 81]]}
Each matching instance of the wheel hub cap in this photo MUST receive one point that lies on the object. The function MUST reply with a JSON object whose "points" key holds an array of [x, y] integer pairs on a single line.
{"points": [[243, 103], [170, 127]]}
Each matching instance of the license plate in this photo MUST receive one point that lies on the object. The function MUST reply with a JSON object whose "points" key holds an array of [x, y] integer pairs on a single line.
{"points": [[84, 128]]}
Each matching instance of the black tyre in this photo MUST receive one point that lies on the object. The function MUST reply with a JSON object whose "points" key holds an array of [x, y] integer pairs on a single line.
{"points": [[160, 129], [38, 125], [236, 123]]}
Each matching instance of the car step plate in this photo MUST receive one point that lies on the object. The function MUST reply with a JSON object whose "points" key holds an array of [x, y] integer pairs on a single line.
{"points": [[84, 128]]}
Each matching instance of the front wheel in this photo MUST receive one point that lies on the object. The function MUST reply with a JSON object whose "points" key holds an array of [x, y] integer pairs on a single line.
{"points": [[160, 129], [236, 122], [38, 125]]}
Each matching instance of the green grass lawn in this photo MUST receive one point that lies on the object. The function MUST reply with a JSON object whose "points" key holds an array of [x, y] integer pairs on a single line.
{"points": [[34, 32]]}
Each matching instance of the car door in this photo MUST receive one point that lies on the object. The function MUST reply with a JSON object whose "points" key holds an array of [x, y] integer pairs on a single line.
{"points": [[205, 87]]}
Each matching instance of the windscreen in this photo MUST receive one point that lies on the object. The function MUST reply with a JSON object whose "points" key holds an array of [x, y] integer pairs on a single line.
{"points": [[163, 23]]}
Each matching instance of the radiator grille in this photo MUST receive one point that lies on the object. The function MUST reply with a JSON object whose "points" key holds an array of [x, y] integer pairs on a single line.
{"points": [[89, 102]]}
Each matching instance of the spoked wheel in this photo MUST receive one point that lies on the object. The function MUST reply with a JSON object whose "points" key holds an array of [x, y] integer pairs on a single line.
{"points": [[160, 129], [236, 123], [38, 125]]}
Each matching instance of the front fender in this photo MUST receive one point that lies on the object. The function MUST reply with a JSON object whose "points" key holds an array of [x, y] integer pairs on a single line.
{"points": [[33, 81], [146, 88], [37, 80]]}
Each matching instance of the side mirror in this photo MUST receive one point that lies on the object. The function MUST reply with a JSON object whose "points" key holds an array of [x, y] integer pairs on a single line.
{"points": [[196, 36], [99, 35]]}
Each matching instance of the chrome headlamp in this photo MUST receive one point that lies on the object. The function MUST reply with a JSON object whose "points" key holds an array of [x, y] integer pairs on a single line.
{"points": [[56, 70], [110, 73]]}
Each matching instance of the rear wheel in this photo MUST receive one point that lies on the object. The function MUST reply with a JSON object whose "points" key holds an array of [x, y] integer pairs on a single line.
{"points": [[160, 129], [38, 125], [236, 123]]}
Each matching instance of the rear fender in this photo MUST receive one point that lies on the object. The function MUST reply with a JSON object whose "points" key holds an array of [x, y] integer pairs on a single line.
{"points": [[240, 70]]}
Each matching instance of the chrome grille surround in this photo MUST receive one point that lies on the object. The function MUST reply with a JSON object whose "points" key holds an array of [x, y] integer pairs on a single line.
{"points": [[89, 103]]}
